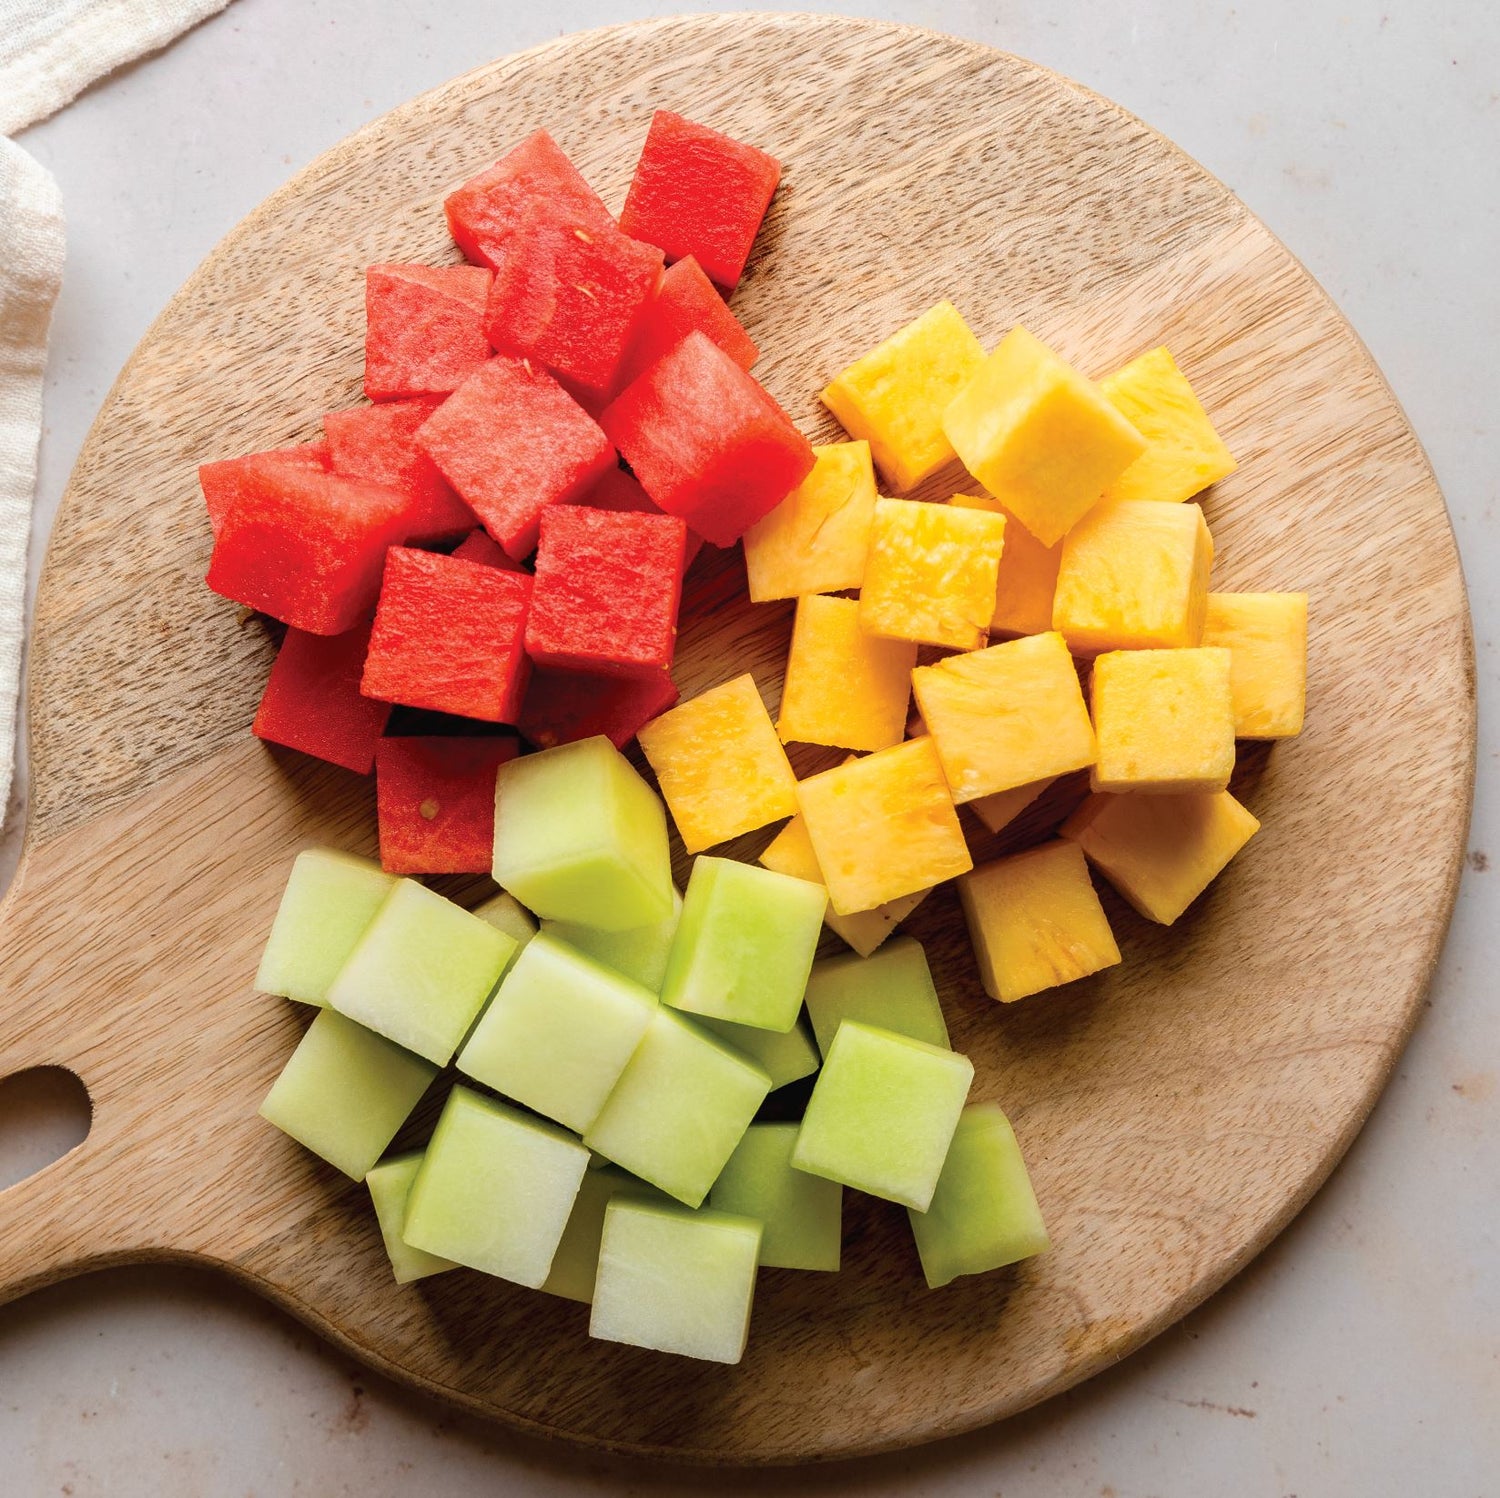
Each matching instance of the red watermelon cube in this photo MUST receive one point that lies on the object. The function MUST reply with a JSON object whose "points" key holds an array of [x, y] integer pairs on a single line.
{"points": [[685, 301], [617, 490], [512, 441], [221, 481], [562, 706], [698, 192], [608, 584], [706, 441], [436, 803], [308, 547], [379, 443], [478, 547], [424, 329], [449, 636], [312, 700], [483, 212]]}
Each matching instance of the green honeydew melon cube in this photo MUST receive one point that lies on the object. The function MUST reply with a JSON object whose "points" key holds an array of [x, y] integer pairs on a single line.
{"points": [[892, 990], [344, 1092], [674, 1280], [495, 1189], [784, 1057], [984, 1213], [329, 900], [421, 972], [882, 1114], [390, 1184], [744, 945], [640, 953], [576, 1263], [558, 1032], [801, 1214], [506, 913], [579, 836]]}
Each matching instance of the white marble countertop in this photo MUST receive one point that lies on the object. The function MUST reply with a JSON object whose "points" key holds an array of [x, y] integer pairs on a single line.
{"points": [[1361, 1353]]}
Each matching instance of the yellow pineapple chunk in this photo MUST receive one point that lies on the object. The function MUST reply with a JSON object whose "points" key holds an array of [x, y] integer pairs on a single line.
{"points": [[815, 540], [895, 396], [843, 687], [999, 810], [883, 826], [1134, 576], [1035, 921], [790, 852], [1005, 716], [1161, 852], [1183, 452], [1266, 636], [1164, 720], [930, 574], [721, 768], [1039, 436], [1027, 578]]}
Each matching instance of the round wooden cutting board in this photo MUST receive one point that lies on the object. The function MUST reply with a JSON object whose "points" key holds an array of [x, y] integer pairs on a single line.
{"points": [[1176, 1111]]}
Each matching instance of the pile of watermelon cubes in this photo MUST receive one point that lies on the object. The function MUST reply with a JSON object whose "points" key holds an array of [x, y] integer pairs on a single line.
{"points": [[500, 535]]}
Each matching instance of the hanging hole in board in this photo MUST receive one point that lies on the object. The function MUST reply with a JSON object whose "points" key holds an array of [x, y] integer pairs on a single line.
{"points": [[44, 1113]]}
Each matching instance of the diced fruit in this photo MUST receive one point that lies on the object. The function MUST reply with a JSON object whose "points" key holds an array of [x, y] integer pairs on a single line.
{"points": [[984, 1213], [421, 972], [221, 482], [495, 1189], [390, 1185], [686, 301], [1183, 452], [882, 1114], [784, 1057], [1161, 852], [312, 700], [883, 826], [682, 1104], [1039, 436], [561, 707], [449, 636], [999, 810], [1134, 576], [639, 953], [1027, 579], [327, 905], [478, 547], [675, 1281], [506, 913], [744, 945], [424, 330], [1266, 636], [1164, 720], [930, 573], [484, 211], [893, 990], [579, 836], [720, 765], [698, 192], [894, 397], [707, 443], [801, 1215], [791, 852], [1035, 921], [344, 1092], [815, 540], [436, 802], [843, 687], [1005, 716], [512, 441], [379, 443], [308, 547], [617, 490], [569, 296], [608, 585], [575, 1265]]}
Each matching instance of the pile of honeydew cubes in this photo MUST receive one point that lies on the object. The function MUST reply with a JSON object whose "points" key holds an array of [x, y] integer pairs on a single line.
{"points": [[600, 1143]]}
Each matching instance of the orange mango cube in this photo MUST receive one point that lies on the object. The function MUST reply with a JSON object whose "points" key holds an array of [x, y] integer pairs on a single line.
{"points": [[721, 768], [1035, 921], [999, 810], [1161, 852], [1134, 576], [1266, 637], [1027, 578], [1006, 716], [894, 398], [1164, 720], [1039, 436], [843, 687], [931, 573]]}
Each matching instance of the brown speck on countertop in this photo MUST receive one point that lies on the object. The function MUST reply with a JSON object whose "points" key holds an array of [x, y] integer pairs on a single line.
{"points": [[1479, 861]]}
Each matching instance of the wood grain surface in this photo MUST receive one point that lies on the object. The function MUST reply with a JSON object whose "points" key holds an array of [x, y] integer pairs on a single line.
{"points": [[1176, 1110]]}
